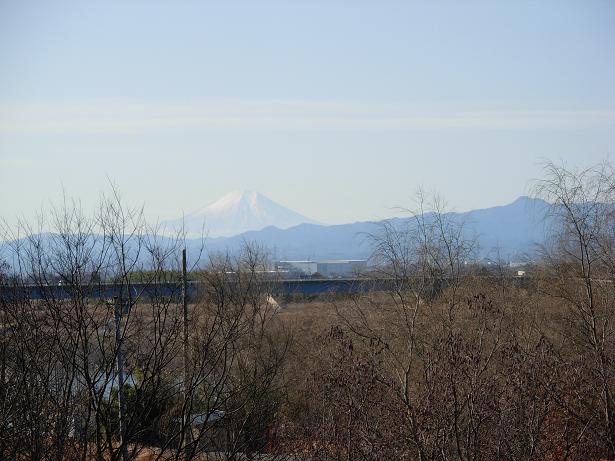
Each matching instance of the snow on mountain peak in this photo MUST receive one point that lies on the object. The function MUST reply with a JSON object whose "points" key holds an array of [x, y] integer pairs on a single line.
{"points": [[233, 199], [237, 212]]}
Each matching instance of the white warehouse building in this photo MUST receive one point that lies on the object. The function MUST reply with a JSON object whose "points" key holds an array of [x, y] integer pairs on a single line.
{"points": [[328, 268], [298, 267]]}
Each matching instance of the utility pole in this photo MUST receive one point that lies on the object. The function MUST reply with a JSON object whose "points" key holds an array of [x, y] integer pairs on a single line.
{"points": [[120, 376], [187, 436]]}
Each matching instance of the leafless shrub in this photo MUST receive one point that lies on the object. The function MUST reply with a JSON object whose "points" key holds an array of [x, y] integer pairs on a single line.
{"points": [[448, 364], [94, 370], [579, 270]]}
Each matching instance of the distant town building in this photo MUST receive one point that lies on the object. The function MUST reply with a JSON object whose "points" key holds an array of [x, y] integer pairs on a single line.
{"points": [[328, 268], [516, 264], [342, 268], [298, 267]]}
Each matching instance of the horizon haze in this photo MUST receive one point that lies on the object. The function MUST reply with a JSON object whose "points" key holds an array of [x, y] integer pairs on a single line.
{"points": [[335, 111]]}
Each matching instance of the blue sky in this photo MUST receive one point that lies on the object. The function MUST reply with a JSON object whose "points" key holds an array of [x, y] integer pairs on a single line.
{"points": [[337, 109]]}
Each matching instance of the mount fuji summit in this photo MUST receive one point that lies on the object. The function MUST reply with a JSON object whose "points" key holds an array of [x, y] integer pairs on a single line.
{"points": [[235, 213]]}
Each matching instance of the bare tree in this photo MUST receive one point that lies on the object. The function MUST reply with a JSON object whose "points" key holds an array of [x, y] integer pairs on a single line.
{"points": [[91, 368], [580, 262], [236, 355], [442, 366]]}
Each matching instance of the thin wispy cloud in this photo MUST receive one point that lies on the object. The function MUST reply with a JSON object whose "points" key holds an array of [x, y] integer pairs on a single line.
{"points": [[130, 118]]}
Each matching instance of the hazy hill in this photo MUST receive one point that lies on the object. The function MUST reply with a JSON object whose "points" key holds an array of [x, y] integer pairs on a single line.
{"points": [[512, 230]]}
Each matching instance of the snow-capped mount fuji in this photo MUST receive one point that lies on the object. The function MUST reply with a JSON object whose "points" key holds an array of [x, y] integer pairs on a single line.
{"points": [[238, 212]]}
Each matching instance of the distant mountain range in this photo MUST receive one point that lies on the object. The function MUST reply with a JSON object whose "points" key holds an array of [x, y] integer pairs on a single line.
{"points": [[510, 232], [235, 213]]}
